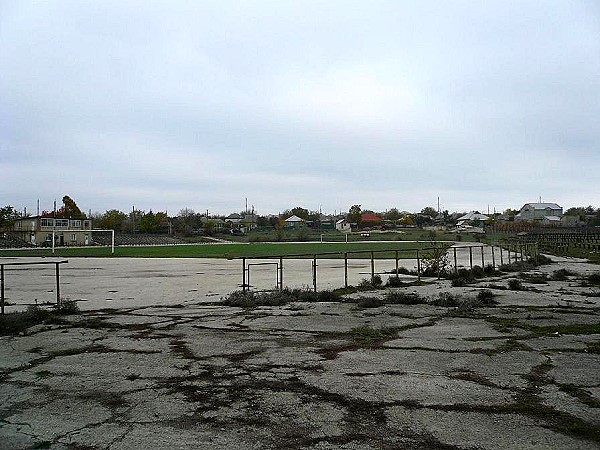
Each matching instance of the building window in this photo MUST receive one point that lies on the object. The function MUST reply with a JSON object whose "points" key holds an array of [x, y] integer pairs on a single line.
{"points": [[76, 223], [49, 237], [63, 223], [73, 237], [86, 224], [47, 222], [19, 225]]}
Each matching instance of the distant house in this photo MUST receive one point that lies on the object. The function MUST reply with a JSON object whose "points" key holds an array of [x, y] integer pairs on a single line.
{"points": [[370, 220], [537, 211], [38, 230], [342, 225], [295, 222], [233, 219], [249, 222], [470, 217]]}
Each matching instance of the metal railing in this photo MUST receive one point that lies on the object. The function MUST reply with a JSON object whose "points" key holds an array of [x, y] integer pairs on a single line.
{"points": [[37, 263]]}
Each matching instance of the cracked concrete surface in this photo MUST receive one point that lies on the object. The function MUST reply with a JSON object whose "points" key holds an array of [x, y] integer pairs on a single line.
{"points": [[523, 374]]}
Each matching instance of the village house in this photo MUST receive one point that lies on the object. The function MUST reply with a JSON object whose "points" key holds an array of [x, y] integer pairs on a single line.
{"points": [[539, 211], [38, 230], [343, 225], [295, 222]]}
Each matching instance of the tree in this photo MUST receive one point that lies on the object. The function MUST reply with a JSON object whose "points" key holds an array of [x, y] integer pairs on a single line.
{"points": [[300, 212], [8, 215], [71, 210], [354, 214], [393, 215], [113, 220], [429, 211]]}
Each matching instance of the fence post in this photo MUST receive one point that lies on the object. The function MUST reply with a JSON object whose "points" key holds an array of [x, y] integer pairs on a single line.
{"points": [[501, 259], [244, 274], [315, 272], [346, 269], [397, 274], [418, 267], [57, 284], [482, 258], [2, 287], [493, 259], [455, 263], [471, 257], [372, 267], [281, 273]]}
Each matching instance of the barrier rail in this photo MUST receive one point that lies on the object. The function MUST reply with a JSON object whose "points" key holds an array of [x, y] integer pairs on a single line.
{"points": [[37, 263], [514, 252]]}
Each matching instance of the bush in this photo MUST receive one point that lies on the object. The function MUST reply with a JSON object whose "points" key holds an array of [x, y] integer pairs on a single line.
{"points": [[534, 278], [459, 282], [515, 285], [402, 271], [369, 302], [486, 297], [562, 274], [477, 272], [404, 298], [394, 282], [376, 281], [446, 299], [370, 283], [594, 278], [67, 307], [489, 270]]}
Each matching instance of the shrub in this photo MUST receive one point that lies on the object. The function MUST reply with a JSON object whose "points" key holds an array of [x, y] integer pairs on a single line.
{"points": [[562, 274], [394, 282], [369, 302], [486, 297], [594, 278], [489, 270], [404, 298], [401, 271], [376, 281], [477, 272], [459, 282], [534, 278], [446, 299], [67, 307], [515, 285]]}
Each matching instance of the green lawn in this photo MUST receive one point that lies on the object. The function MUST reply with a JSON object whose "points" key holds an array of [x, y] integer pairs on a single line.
{"points": [[264, 249]]}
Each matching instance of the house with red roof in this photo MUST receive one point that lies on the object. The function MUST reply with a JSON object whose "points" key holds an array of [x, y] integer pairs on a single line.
{"points": [[370, 220]]}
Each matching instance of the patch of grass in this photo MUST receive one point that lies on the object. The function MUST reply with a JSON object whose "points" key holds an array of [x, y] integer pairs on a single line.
{"points": [[459, 282], [486, 297], [446, 299], [404, 298], [583, 328], [591, 294], [43, 374], [251, 299], [394, 282], [594, 347], [515, 285], [562, 274], [17, 322], [581, 394], [534, 278], [369, 302], [594, 278], [368, 337]]}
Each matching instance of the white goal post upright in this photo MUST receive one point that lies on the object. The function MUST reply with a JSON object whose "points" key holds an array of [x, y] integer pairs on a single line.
{"points": [[112, 237]]}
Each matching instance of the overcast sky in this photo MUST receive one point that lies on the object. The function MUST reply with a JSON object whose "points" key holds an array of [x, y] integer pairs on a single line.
{"points": [[200, 104]]}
